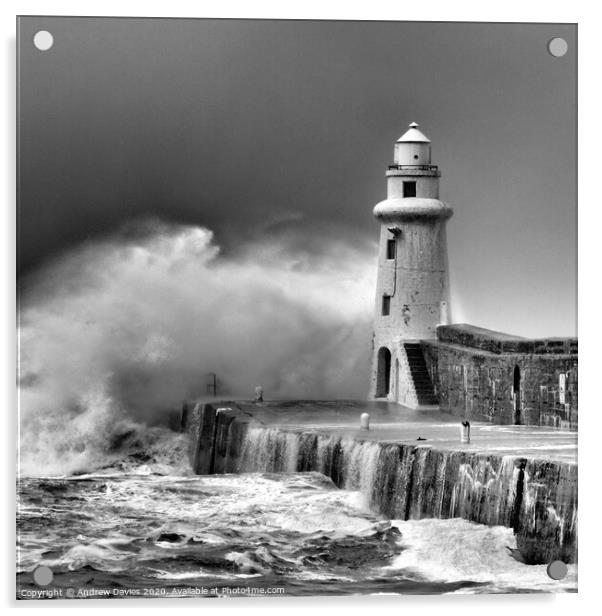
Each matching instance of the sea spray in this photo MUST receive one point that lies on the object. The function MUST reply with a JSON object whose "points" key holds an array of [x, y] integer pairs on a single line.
{"points": [[119, 331]]}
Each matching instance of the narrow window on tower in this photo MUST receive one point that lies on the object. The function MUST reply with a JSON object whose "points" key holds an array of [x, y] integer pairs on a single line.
{"points": [[409, 189], [386, 305], [391, 249]]}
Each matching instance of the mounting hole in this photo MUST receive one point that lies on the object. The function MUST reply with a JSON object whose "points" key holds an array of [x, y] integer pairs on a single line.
{"points": [[43, 40], [558, 47], [557, 570], [43, 575]]}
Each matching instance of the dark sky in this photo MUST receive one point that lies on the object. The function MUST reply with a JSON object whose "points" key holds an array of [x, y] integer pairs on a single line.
{"points": [[243, 126]]}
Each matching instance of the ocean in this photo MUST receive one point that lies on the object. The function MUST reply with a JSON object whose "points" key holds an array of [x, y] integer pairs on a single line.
{"points": [[145, 526]]}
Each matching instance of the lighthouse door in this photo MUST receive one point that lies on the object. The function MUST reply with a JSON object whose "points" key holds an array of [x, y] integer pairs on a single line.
{"points": [[383, 373], [516, 390]]}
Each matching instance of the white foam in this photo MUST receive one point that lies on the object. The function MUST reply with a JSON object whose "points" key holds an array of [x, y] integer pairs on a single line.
{"points": [[457, 550]]}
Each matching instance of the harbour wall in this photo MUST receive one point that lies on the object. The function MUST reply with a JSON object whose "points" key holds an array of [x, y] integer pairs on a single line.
{"points": [[536, 498], [489, 376]]}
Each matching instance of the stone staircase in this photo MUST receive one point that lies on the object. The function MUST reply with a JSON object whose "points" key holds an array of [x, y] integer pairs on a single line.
{"points": [[421, 378]]}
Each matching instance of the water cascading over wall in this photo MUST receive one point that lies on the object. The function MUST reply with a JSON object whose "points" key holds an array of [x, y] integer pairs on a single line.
{"points": [[538, 499]]}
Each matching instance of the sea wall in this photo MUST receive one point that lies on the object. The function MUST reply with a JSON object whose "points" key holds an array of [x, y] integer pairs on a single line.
{"points": [[401, 481], [488, 376], [498, 342]]}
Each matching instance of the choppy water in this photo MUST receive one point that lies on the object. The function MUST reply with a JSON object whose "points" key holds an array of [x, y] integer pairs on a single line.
{"points": [[151, 530]]}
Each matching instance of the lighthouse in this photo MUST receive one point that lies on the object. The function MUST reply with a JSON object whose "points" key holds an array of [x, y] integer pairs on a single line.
{"points": [[412, 289]]}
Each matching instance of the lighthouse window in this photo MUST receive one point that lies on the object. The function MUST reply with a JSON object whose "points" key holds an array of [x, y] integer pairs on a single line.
{"points": [[386, 305], [390, 249], [409, 189]]}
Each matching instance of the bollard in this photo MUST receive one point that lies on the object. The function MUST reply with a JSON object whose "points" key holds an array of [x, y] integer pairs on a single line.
{"points": [[365, 421], [465, 432], [259, 393]]}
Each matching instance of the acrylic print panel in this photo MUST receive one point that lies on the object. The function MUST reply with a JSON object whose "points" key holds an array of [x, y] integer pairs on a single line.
{"points": [[349, 248]]}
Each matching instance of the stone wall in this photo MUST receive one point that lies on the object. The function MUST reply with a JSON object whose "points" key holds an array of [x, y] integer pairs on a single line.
{"points": [[473, 372], [498, 342]]}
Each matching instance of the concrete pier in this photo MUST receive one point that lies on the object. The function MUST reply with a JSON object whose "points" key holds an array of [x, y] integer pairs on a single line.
{"points": [[409, 465]]}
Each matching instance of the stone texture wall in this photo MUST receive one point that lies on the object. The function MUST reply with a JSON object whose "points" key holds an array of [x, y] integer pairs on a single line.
{"points": [[477, 382], [498, 342]]}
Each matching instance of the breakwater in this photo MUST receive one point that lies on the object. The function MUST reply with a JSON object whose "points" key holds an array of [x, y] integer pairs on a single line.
{"points": [[536, 498]]}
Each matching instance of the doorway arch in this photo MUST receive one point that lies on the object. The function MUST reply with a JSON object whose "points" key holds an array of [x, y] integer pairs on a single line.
{"points": [[383, 373], [516, 391]]}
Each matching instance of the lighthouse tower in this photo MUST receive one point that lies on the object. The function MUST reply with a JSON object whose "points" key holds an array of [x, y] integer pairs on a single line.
{"points": [[412, 292]]}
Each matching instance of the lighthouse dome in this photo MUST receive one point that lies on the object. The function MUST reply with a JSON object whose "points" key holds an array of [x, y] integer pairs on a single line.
{"points": [[413, 148], [413, 135]]}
